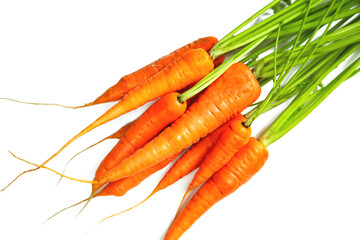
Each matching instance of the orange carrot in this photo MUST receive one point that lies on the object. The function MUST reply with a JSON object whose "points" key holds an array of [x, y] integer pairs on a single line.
{"points": [[189, 68], [185, 164], [234, 137], [130, 81], [159, 115], [244, 164], [231, 93], [122, 186]]}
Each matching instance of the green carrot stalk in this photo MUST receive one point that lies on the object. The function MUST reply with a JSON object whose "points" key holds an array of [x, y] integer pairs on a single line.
{"points": [[304, 104]]}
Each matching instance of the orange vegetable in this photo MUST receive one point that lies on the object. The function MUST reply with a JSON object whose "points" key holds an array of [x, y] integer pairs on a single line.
{"points": [[243, 165], [159, 115], [189, 68], [122, 186], [132, 80], [234, 137], [185, 164], [231, 93]]}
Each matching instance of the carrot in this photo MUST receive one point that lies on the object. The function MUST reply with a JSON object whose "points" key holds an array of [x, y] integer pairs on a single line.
{"points": [[117, 188], [122, 186], [234, 137], [152, 115], [187, 163], [243, 165], [189, 68], [131, 81], [159, 115], [231, 93]]}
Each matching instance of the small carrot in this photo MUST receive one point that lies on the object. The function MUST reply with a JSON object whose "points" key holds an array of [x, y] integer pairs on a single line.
{"points": [[187, 163], [150, 115], [243, 165], [188, 68], [122, 186], [131, 81], [159, 115], [231, 93], [234, 137], [118, 188]]}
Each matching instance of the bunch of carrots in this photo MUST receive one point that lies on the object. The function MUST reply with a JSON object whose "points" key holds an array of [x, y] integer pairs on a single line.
{"points": [[197, 121]]}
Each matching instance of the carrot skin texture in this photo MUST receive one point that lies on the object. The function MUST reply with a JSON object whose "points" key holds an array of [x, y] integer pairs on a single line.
{"points": [[231, 93], [234, 137], [190, 160], [244, 165], [131, 81], [122, 186], [188, 68], [160, 114]]}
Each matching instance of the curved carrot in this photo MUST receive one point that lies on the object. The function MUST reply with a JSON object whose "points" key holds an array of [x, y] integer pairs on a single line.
{"points": [[244, 164], [132, 80], [118, 188], [189, 68], [234, 137], [159, 115], [231, 93], [122, 186], [187, 163]]}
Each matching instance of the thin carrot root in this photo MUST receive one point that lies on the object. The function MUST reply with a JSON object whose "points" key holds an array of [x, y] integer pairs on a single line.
{"points": [[80, 153], [78, 203], [45, 104], [92, 195], [52, 170], [126, 210]]}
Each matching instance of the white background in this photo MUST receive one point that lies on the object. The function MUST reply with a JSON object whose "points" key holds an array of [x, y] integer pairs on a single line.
{"points": [[69, 52]]}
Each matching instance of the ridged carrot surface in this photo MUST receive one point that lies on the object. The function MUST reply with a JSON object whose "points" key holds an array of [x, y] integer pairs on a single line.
{"points": [[234, 137], [244, 164], [159, 115], [188, 68], [187, 163], [132, 80], [231, 93], [122, 186]]}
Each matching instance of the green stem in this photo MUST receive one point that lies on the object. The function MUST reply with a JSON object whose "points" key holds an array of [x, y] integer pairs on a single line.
{"points": [[264, 27], [315, 99], [243, 24], [274, 132]]}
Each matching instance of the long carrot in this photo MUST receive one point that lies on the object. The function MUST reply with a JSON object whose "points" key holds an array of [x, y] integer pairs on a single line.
{"points": [[132, 80], [244, 164], [118, 188], [231, 93], [158, 120], [189, 68], [187, 163], [159, 115], [234, 137]]}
